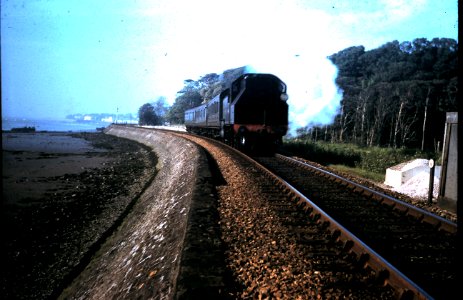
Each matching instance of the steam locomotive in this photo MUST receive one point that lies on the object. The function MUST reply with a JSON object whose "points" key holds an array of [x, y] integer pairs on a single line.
{"points": [[251, 114]]}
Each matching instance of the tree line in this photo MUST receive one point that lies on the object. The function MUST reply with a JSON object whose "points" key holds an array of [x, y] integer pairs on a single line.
{"points": [[396, 95], [191, 95]]}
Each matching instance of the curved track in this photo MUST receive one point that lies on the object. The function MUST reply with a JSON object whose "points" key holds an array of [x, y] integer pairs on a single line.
{"points": [[420, 244], [319, 242], [328, 238]]}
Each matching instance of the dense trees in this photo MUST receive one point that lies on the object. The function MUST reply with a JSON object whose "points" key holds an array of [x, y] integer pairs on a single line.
{"points": [[195, 92], [147, 116], [153, 113], [396, 95], [187, 98], [161, 108]]}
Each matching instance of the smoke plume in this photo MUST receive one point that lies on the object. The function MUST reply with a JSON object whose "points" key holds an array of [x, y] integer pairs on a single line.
{"points": [[314, 98]]}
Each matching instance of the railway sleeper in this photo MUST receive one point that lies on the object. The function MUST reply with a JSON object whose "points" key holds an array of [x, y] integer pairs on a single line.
{"points": [[279, 202], [304, 205], [308, 239]]}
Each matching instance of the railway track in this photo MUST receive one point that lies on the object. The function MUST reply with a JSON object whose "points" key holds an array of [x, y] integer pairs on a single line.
{"points": [[419, 244], [281, 244]]}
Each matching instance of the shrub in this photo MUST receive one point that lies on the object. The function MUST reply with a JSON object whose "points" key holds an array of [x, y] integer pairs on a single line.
{"points": [[374, 159]]}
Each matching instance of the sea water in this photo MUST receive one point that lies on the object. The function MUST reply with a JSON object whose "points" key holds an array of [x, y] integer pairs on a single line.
{"points": [[65, 125]]}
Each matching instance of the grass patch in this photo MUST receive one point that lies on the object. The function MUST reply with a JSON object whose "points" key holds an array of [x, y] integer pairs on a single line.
{"points": [[367, 162], [374, 176]]}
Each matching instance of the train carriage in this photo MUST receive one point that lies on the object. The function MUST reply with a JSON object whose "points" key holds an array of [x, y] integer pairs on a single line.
{"points": [[195, 118]]}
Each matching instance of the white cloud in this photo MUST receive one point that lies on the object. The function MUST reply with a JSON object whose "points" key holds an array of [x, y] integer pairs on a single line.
{"points": [[397, 10], [382, 15], [140, 50], [271, 36]]}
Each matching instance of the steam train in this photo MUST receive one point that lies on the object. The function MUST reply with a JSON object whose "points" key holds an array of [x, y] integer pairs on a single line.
{"points": [[250, 114]]}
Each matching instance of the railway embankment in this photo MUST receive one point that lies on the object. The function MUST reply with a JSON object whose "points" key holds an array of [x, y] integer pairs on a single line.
{"points": [[63, 195], [162, 247]]}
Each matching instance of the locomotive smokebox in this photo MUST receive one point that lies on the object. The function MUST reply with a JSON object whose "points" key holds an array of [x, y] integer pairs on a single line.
{"points": [[251, 113]]}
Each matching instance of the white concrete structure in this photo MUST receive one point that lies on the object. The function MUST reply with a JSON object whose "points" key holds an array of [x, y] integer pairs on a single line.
{"points": [[400, 174], [412, 178]]}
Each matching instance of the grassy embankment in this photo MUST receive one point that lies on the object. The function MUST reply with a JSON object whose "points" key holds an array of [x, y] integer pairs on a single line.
{"points": [[366, 162]]}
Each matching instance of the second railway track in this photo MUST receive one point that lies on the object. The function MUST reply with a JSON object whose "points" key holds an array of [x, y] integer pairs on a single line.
{"points": [[419, 244]]}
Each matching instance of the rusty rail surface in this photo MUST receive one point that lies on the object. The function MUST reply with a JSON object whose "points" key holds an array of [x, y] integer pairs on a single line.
{"points": [[389, 275], [406, 288], [422, 245], [418, 213]]}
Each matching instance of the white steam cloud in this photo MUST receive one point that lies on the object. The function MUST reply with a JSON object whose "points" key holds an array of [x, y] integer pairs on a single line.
{"points": [[314, 98], [271, 36]]}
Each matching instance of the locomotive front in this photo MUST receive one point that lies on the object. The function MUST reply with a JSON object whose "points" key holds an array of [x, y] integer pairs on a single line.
{"points": [[251, 114], [258, 111]]}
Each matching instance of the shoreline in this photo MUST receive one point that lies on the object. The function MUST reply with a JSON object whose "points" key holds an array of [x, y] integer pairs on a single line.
{"points": [[32, 161], [61, 193], [54, 125]]}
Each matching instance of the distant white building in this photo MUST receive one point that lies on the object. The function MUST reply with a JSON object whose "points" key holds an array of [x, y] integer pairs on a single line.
{"points": [[87, 118], [108, 119], [127, 121]]}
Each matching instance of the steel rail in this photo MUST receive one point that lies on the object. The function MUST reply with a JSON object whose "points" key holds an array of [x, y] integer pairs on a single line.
{"points": [[405, 287], [421, 214]]}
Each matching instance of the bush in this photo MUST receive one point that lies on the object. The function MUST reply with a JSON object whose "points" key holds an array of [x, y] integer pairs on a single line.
{"points": [[323, 153], [374, 159]]}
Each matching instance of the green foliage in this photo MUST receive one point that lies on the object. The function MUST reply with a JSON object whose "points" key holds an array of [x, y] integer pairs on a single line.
{"points": [[188, 98], [147, 116], [375, 176], [373, 159], [396, 95], [211, 86], [378, 159], [160, 108], [321, 152], [195, 92]]}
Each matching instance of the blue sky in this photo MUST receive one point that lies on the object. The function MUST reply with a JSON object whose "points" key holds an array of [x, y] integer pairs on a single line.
{"points": [[91, 56]]}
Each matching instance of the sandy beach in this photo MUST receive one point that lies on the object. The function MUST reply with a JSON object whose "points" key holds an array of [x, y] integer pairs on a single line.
{"points": [[62, 192]]}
